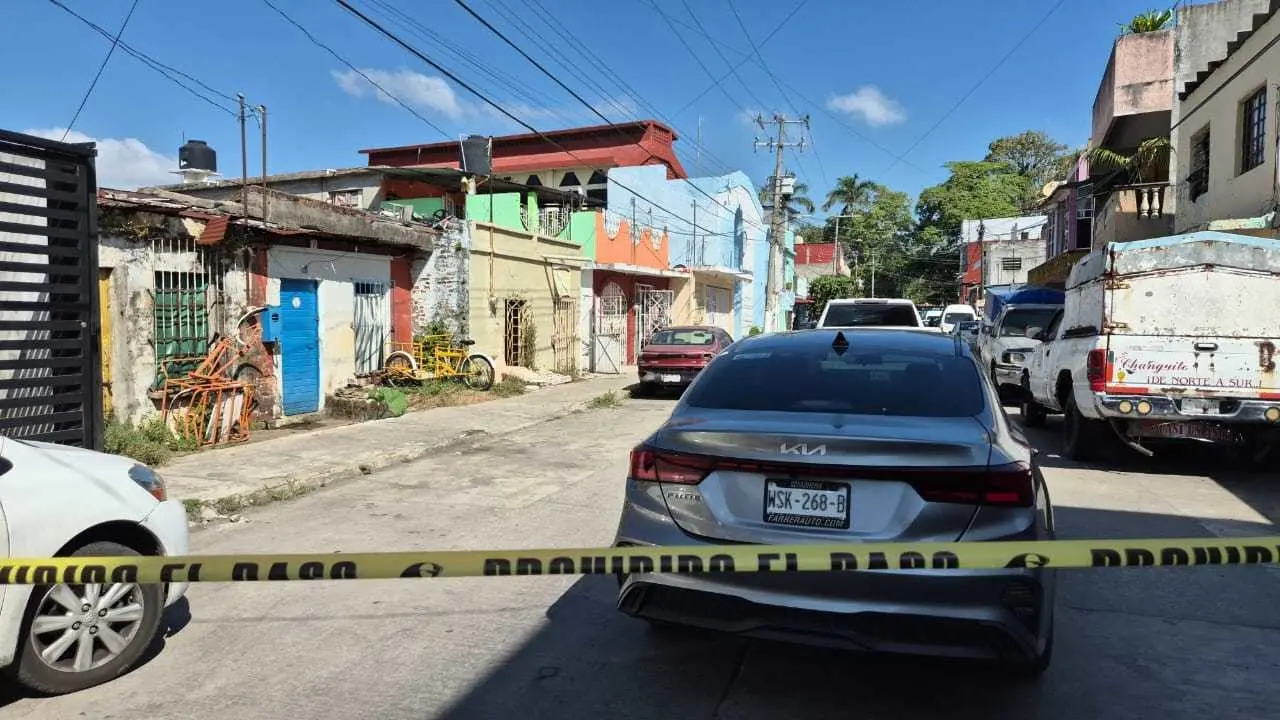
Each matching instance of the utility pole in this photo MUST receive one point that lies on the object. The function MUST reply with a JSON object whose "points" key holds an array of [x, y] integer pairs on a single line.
{"points": [[835, 254], [244, 161], [778, 226]]}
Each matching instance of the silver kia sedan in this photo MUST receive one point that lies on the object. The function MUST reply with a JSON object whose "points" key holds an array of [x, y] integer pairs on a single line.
{"points": [[828, 436]]}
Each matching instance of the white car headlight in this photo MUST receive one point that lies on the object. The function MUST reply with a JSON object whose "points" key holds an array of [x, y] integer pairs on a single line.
{"points": [[148, 480], [1015, 357]]}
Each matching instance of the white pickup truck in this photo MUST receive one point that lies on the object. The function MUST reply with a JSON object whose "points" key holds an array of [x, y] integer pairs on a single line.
{"points": [[1171, 338]]}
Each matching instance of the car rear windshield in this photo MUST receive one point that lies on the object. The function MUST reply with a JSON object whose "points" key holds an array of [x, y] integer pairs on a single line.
{"points": [[682, 337], [870, 315], [1016, 322], [820, 380], [953, 318]]}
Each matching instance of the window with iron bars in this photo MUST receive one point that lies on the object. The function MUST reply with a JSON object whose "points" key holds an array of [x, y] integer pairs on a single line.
{"points": [[1198, 178], [180, 320], [1253, 131]]}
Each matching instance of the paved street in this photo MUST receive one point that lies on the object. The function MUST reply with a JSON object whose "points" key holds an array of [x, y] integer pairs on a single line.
{"points": [[1143, 643]]}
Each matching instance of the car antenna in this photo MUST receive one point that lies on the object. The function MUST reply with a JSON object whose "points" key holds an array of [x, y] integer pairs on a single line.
{"points": [[840, 344]]}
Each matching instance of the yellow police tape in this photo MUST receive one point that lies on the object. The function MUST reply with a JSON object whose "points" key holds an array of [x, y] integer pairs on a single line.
{"points": [[672, 559]]}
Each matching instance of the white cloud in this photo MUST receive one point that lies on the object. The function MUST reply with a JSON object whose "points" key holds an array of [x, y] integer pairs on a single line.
{"points": [[435, 95], [425, 92], [123, 163], [874, 107]]}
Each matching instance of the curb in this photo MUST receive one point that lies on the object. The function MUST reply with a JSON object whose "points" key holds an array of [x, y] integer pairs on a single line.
{"points": [[289, 486]]}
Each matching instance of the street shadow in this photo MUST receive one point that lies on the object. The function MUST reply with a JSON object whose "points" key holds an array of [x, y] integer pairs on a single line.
{"points": [[1124, 638], [176, 617], [1255, 487], [637, 392]]}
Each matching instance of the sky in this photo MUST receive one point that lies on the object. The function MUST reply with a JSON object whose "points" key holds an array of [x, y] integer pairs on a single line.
{"points": [[893, 89]]}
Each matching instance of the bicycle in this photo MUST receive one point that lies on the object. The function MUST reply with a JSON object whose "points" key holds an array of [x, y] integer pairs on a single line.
{"points": [[438, 357]]}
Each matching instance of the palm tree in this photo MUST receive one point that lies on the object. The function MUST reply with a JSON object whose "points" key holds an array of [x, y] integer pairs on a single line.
{"points": [[1150, 21], [1145, 164], [798, 204], [850, 193]]}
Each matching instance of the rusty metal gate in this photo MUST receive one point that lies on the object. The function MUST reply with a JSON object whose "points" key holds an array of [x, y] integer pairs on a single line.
{"points": [[653, 312], [610, 330], [50, 359], [564, 337]]}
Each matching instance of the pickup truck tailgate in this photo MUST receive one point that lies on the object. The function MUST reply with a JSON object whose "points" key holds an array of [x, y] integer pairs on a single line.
{"points": [[1193, 366]]}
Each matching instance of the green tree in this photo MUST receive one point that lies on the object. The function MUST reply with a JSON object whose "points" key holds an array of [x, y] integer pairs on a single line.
{"points": [[1035, 156], [851, 193], [1148, 163], [798, 204], [826, 288], [974, 190], [811, 234], [1150, 21]]}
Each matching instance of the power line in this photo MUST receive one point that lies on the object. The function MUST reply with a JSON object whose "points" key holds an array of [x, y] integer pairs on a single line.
{"points": [[768, 71], [355, 69], [576, 96], [94, 83], [747, 56], [766, 39], [627, 90], [507, 113], [979, 84], [154, 64]]}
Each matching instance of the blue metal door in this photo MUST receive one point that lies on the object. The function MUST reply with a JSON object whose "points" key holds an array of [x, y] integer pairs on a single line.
{"points": [[300, 346]]}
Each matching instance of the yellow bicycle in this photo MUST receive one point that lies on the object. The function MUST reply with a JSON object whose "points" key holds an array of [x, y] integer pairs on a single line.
{"points": [[438, 357]]}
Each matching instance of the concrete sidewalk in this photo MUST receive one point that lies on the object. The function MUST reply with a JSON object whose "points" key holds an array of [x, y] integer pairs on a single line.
{"points": [[220, 482]]}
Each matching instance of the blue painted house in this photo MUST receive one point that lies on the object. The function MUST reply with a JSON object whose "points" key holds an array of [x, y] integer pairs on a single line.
{"points": [[718, 247]]}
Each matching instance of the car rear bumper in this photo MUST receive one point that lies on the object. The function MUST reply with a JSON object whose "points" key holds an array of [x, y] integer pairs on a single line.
{"points": [[668, 376], [1003, 614]]}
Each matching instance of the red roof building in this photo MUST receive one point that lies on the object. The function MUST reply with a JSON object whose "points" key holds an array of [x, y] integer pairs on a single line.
{"points": [[576, 157]]}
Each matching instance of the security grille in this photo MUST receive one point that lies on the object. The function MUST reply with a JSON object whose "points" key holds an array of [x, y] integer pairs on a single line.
{"points": [[370, 325], [50, 360]]}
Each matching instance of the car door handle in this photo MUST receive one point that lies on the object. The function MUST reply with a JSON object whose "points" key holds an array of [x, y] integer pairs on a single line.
{"points": [[1206, 346]]}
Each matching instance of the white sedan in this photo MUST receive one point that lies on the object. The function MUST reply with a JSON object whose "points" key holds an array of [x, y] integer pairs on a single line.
{"points": [[64, 501]]}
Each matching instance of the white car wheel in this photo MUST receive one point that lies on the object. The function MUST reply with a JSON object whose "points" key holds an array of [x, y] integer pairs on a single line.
{"points": [[78, 636]]}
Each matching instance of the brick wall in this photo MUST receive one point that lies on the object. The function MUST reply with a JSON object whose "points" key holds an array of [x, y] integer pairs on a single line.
{"points": [[440, 282]]}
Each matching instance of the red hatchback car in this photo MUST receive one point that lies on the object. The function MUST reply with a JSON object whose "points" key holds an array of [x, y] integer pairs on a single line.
{"points": [[674, 356]]}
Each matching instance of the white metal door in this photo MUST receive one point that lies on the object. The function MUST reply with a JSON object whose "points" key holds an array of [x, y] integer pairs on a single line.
{"points": [[370, 326], [653, 312], [610, 331]]}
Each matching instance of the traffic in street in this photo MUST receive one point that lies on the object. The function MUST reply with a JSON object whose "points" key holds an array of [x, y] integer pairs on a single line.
{"points": [[1165, 642]]}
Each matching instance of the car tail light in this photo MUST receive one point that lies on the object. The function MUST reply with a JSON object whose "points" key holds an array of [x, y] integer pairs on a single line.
{"points": [[655, 466], [1004, 486], [1098, 370], [1010, 485]]}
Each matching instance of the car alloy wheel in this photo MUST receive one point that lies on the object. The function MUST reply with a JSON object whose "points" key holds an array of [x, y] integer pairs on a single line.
{"points": [[81, 627], [77, 636]]}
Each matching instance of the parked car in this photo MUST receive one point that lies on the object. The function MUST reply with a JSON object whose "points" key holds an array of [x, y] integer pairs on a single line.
{"points": [[58, 500], [953, 314], [870, 312], [889, 436], [674, 356], [1005, 348], [1163, 341], [969, 330], [932, 317]]}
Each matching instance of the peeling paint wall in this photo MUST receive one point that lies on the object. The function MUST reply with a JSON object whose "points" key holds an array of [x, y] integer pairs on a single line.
{"points": [[440, 282], [133, 256]]}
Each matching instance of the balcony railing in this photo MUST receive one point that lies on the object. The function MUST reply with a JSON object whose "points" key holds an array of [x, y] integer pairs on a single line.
{"points": [[1135, 212]]}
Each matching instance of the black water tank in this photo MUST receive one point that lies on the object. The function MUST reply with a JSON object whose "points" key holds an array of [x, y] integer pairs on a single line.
{"points": [[197, 155], [477, 155]]}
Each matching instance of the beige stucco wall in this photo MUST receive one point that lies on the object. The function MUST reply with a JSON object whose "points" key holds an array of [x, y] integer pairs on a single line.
{"points": [[506, 263], [1138, 80], [1216, 104]]}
